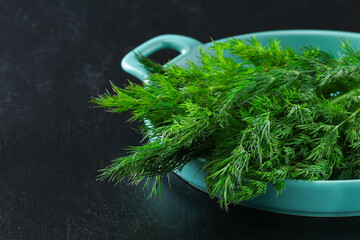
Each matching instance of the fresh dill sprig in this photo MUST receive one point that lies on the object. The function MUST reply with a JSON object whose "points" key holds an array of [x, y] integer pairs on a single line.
{"points": [[277, 114]]}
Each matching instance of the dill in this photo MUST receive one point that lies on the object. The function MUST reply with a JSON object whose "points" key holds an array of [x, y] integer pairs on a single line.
{"points": [[278, 114]]}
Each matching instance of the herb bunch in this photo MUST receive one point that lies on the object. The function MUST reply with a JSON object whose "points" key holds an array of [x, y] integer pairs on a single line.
{"points": [[277, 114]]}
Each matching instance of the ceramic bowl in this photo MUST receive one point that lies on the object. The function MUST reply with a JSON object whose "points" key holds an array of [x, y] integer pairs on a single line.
{"points": [[328, 198]]}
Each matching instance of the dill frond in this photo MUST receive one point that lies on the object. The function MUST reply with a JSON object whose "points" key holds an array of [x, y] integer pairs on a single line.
{"points": [[277, 114]]}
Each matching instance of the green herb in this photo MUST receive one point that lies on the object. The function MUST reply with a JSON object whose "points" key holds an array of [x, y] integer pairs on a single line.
{"points": [[278, 114]]}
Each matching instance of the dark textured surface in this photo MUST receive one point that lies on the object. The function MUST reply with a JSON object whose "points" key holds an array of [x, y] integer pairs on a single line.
{"points": [[55, 55]]}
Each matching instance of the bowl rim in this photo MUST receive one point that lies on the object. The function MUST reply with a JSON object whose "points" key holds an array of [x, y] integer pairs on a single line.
{"points": [[323, 32]]}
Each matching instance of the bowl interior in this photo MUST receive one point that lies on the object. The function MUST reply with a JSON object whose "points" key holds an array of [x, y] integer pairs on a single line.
{"points": [[325, 40]]}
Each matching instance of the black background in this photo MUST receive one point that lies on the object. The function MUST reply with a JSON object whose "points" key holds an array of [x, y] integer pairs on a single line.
{"points": [[56, 55]]}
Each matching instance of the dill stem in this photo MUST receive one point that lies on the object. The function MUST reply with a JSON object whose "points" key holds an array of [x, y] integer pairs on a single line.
{"points": [[347, 119], [343, 96]]}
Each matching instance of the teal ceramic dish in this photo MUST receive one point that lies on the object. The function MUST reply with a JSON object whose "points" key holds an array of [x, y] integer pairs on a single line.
{"points": [[330, 198]]}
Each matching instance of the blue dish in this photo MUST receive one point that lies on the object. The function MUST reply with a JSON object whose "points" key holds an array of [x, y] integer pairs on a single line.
{"points": [[328, 198]]}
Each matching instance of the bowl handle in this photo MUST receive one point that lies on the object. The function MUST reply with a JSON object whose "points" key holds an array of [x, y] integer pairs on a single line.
{"points": [[184, 45]]}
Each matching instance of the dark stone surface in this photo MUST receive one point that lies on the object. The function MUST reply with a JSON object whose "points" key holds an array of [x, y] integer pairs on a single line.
{"points": [[56, 55]]}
